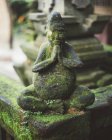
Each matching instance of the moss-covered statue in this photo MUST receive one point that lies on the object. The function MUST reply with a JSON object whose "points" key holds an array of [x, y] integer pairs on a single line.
{"points": [[54, 82]]}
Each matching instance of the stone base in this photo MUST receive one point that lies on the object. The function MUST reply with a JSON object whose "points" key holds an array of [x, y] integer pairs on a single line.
{"points": [[60, 127], [92, 124]]}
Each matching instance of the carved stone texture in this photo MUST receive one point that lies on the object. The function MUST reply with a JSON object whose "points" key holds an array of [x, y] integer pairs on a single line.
{"points": [[43, 127], [92, 124]]}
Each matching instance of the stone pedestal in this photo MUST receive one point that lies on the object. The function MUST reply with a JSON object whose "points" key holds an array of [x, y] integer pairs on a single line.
{"points": [[61, 127], [93, 123]]}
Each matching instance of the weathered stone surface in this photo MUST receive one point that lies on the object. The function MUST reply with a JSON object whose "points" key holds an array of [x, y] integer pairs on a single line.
{"points": [[59, 127], [86, 27], [81, 25], [54, 79], [59, 83], [11, 115], [42, 126], [94, 123], [101, 96], [91, 53], [101, 114], [90, 81], [89, 49]]}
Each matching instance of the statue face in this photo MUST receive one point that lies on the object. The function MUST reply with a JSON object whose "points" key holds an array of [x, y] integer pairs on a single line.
{"points": [[56, 37]]}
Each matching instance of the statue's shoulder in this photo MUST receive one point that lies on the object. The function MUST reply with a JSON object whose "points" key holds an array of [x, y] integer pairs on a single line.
{"points": [[69, 51], [68, 47], [44, 45]]}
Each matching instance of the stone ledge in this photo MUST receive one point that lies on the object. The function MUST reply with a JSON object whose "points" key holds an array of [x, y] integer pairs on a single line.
{"points": [[39, 126], [11, 115], [93, 123], [61, 127]]}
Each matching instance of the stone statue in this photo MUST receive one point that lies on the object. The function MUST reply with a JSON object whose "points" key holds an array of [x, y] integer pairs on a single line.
{"points": [[54, 86]]}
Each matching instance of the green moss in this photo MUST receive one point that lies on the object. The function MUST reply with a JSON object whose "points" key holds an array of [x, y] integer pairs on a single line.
{"points": [[11, 116], [10, 113], [49, 119], [20, 132], [55, 79], [103, 92], [10, 90], [75, 126], [57, 82], [101, 95], [48, 52]]}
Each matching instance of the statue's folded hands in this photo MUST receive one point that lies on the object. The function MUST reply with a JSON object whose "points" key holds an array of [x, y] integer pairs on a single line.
{"points": [[71, 63]]}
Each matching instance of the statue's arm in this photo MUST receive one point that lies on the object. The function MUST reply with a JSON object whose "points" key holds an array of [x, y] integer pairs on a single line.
{"points": [[71, 63], [71, 59], [40, 55], [43, 64]]}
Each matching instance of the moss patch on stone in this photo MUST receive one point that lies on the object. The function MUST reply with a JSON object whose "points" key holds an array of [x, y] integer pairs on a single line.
{"points": [[62, 127], [11, 115], [9, 90], [101, 95], [103, 92], [20, 132], [50, 119]]}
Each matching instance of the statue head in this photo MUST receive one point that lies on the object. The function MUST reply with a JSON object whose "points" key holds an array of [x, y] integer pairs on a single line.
{"points": [[55, 28]]}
